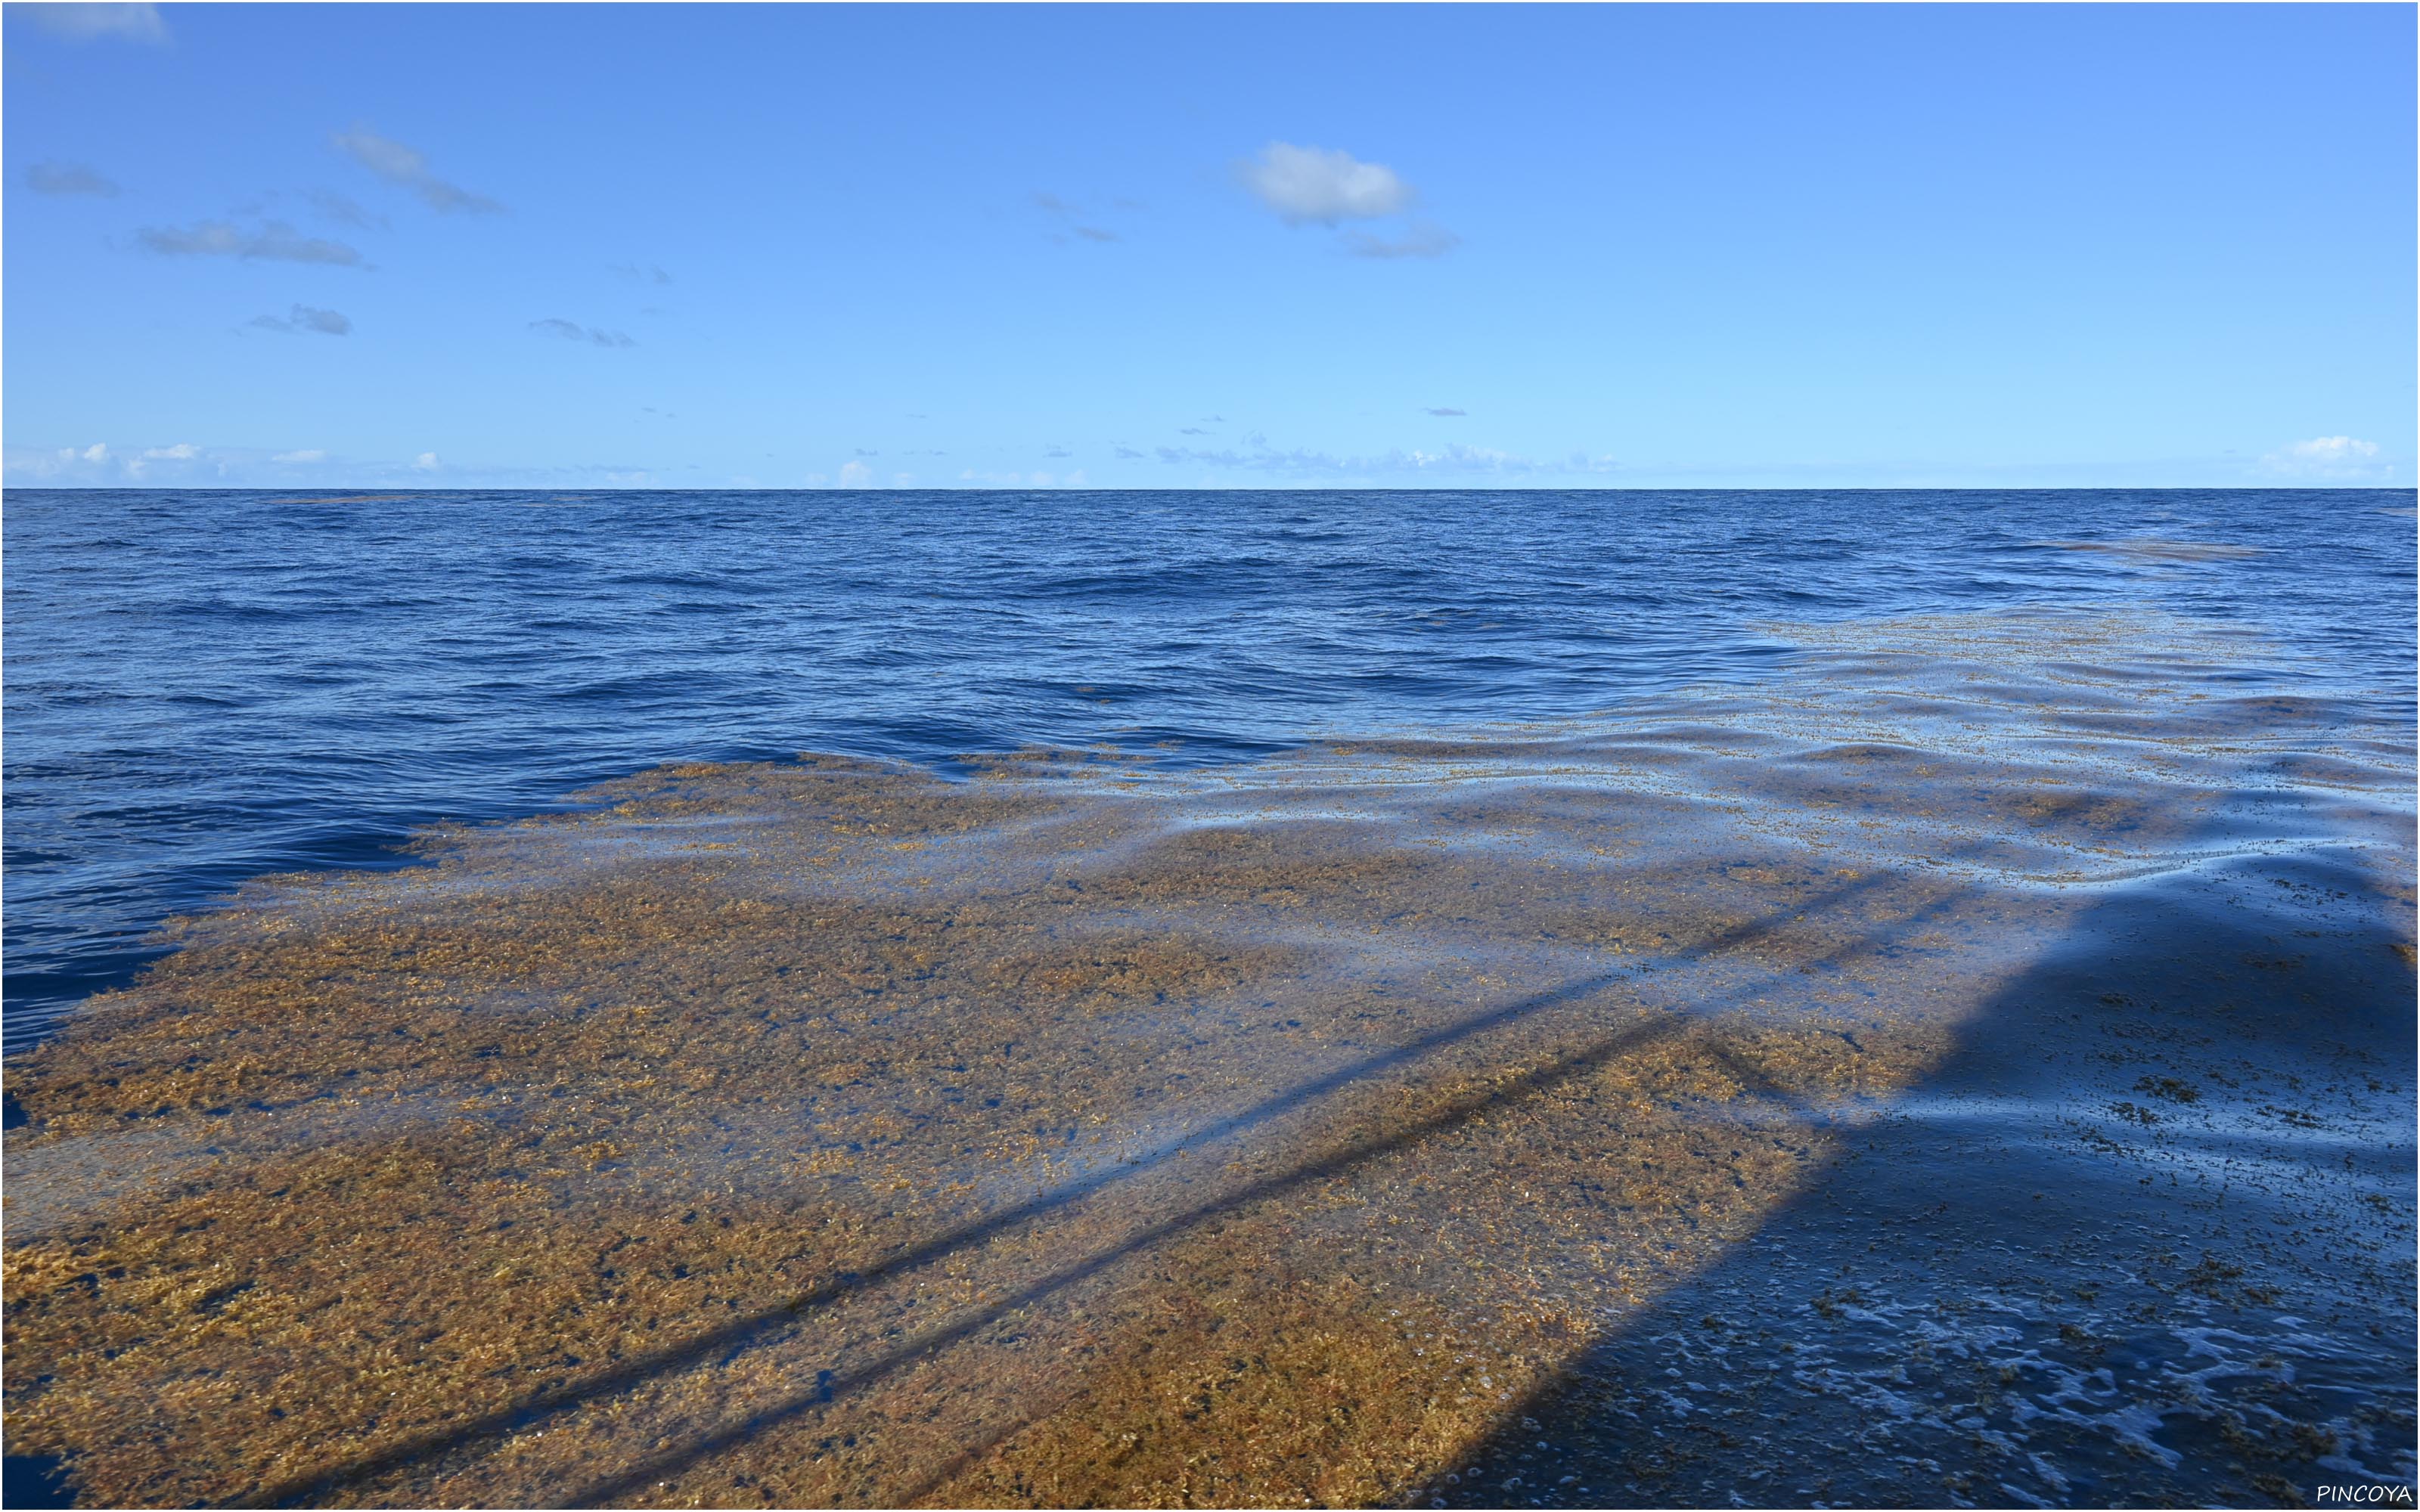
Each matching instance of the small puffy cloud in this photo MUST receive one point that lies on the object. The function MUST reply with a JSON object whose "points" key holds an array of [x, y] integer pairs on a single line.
{"points": [[270, 242], [293, 457], [2326, 456], [862, 451], [426, 462], [1421, 240], [2328, 451], [67, 178], [1323, 186], [305, 318], [1454, 413], [1057, 452], [404, 166], [1127, 452], [86, 22], [1193, 430], [855, 475], [139, 466], [106, 466], [571, 330]]}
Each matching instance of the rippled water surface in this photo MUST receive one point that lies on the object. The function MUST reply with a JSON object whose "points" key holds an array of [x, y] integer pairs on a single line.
{"points": [[205, 687], [1441, 1000]]}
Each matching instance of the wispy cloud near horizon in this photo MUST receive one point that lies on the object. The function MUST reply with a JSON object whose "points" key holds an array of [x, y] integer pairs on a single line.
{"points": [[304, 318], [407, 168], [67, 178], [334, 206], [573, 331], [270, 242], [1072, 216], [1420, 240], [82, 20]]}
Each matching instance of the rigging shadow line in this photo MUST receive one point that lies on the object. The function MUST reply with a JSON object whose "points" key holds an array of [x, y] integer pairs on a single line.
{"points": [[832, 1386], [740, 1332], [1757, 1082], [1359, 1153]]}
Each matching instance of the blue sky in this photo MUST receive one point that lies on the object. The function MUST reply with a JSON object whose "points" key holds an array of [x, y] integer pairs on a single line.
{"points": [[1203, 246]]}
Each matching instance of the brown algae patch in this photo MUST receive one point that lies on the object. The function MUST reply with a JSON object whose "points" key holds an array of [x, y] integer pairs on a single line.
{"points": [[830, 1133]]}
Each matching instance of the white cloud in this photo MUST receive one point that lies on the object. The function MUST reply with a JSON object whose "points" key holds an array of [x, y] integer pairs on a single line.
{"points": [[426, 462], [1322, 186], [299, 456], [2327, 457], [97, 452], [181, 452], [83, 22], [855, 475], [2334, 449], [399, 164]]}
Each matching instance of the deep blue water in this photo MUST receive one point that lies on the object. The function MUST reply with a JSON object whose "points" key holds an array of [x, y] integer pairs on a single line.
{"points": [[202, 687]]}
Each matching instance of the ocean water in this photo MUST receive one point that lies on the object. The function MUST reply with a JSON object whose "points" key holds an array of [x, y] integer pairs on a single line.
{"points": [[1397, 999], [205, 687]]}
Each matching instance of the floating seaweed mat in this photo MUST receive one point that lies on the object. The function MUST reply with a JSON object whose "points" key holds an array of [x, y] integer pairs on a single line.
{"points": [[1070, 1133]]}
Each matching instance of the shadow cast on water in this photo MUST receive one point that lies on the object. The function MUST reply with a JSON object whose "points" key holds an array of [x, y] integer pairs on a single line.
{"points": [[2050, 1277]]}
